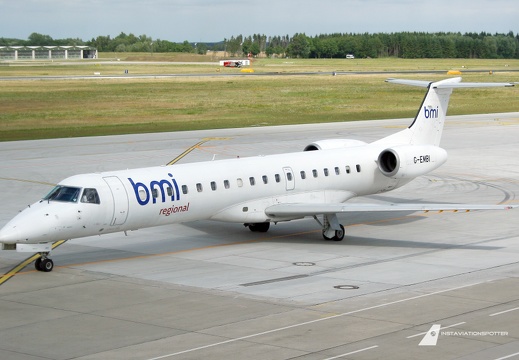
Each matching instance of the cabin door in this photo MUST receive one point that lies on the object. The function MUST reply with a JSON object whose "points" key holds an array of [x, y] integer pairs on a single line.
{"points": [[120, 200]]}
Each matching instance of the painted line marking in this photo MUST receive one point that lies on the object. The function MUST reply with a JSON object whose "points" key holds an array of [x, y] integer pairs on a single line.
{"points": [[311, 322], [193, 147], [15, 270], [445, 327], [27, 181], [508, 356], [353, 352], [504, 312]]}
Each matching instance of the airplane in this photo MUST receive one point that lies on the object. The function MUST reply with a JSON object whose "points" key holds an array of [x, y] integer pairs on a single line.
{"points": [[255, 191]]}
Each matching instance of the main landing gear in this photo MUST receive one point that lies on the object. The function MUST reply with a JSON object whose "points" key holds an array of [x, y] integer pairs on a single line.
{"points": [[258, 227], [338, 235], [43, 263], [332, 230]]}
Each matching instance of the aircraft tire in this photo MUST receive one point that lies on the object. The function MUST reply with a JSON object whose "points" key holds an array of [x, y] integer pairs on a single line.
{"points": [[37, 264], [46, 265], [339, 235], [259, 227]]}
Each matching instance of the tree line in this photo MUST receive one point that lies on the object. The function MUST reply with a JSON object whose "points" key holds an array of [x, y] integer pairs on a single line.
{"points": [[408, 45]]}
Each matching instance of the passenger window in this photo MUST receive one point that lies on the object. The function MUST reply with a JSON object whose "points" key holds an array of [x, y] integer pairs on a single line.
{"points": [[169, 191], [358, 168], [337, 171], [289, 176], [199, 187], [326, 173], [348, 169], [240, 182], [314, 172], [90, 196], [303, 175], [226, 184], [265, 179], [184, 189], [154, 193], [252, 181], [277, 177], [213, 185]]}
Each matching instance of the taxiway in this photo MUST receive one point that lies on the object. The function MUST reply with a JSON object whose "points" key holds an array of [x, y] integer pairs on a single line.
{"points": [[218, 291]]}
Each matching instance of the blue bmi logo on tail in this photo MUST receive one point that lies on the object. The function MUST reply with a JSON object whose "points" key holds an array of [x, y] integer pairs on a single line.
{"points": [[431, 113]]}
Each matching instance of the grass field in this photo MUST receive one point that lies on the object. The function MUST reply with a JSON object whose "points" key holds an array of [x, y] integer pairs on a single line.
{"points": [[32, 109]]}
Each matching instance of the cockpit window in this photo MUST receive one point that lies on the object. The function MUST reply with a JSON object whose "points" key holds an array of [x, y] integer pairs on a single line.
{"points": [[63, 193], [90, 196]]}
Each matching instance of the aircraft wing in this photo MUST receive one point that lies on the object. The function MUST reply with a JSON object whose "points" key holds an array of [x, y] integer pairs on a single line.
{"points": [[301, 209]]}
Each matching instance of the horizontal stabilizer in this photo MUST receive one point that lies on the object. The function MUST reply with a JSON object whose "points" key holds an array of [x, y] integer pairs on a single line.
{"points": [[419, 83], [451, 83], [299, 209], [471, 85]]}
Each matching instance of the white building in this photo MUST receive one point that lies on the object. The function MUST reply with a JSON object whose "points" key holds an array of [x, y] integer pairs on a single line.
{"points": [[47, 52]]}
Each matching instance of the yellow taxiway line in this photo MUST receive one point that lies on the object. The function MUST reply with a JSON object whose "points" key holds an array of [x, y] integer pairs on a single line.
{"points": [[28, 181], [191, 148], [24, 263]]}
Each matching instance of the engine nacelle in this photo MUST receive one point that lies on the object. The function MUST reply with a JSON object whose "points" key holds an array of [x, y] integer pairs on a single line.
{"points": [[409, 161], [333, 144]]}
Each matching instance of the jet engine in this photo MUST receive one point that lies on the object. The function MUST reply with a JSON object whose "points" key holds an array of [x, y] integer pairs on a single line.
{"points": [[409, 161], [333, 144]]}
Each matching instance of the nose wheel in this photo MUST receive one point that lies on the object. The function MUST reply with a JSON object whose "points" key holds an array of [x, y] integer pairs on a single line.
{"points": [[43, 263]]}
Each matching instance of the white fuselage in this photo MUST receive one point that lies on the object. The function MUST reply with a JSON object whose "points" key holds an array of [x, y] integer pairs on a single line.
{"points": [[236, 190]]}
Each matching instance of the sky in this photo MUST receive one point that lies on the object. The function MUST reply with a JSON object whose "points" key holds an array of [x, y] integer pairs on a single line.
{"points": [[213, 20]]}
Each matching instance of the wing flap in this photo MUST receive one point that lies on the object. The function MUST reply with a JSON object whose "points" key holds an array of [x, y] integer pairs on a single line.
{"points": [[300, 209]]}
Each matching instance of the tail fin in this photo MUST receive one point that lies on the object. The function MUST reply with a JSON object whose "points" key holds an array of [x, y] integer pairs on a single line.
{"points": [[427, 126]]}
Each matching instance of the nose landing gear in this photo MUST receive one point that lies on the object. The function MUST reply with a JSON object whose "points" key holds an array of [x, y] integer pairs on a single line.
{"points": [[43, 263]]}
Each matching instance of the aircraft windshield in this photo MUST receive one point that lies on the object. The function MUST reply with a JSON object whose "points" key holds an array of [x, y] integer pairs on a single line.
{"points": [[63, 193]]}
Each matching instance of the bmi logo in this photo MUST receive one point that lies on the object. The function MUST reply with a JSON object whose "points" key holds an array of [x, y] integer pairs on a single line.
{"points": [[431, 338], [431, 113], [166, 187]]}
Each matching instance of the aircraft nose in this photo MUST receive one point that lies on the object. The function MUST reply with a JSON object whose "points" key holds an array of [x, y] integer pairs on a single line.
{"points": [[9, 234], [29, 226]]}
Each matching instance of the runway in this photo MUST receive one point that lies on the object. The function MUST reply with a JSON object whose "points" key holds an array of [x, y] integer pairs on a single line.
{"points": [[218, 291], [237, 73]]}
